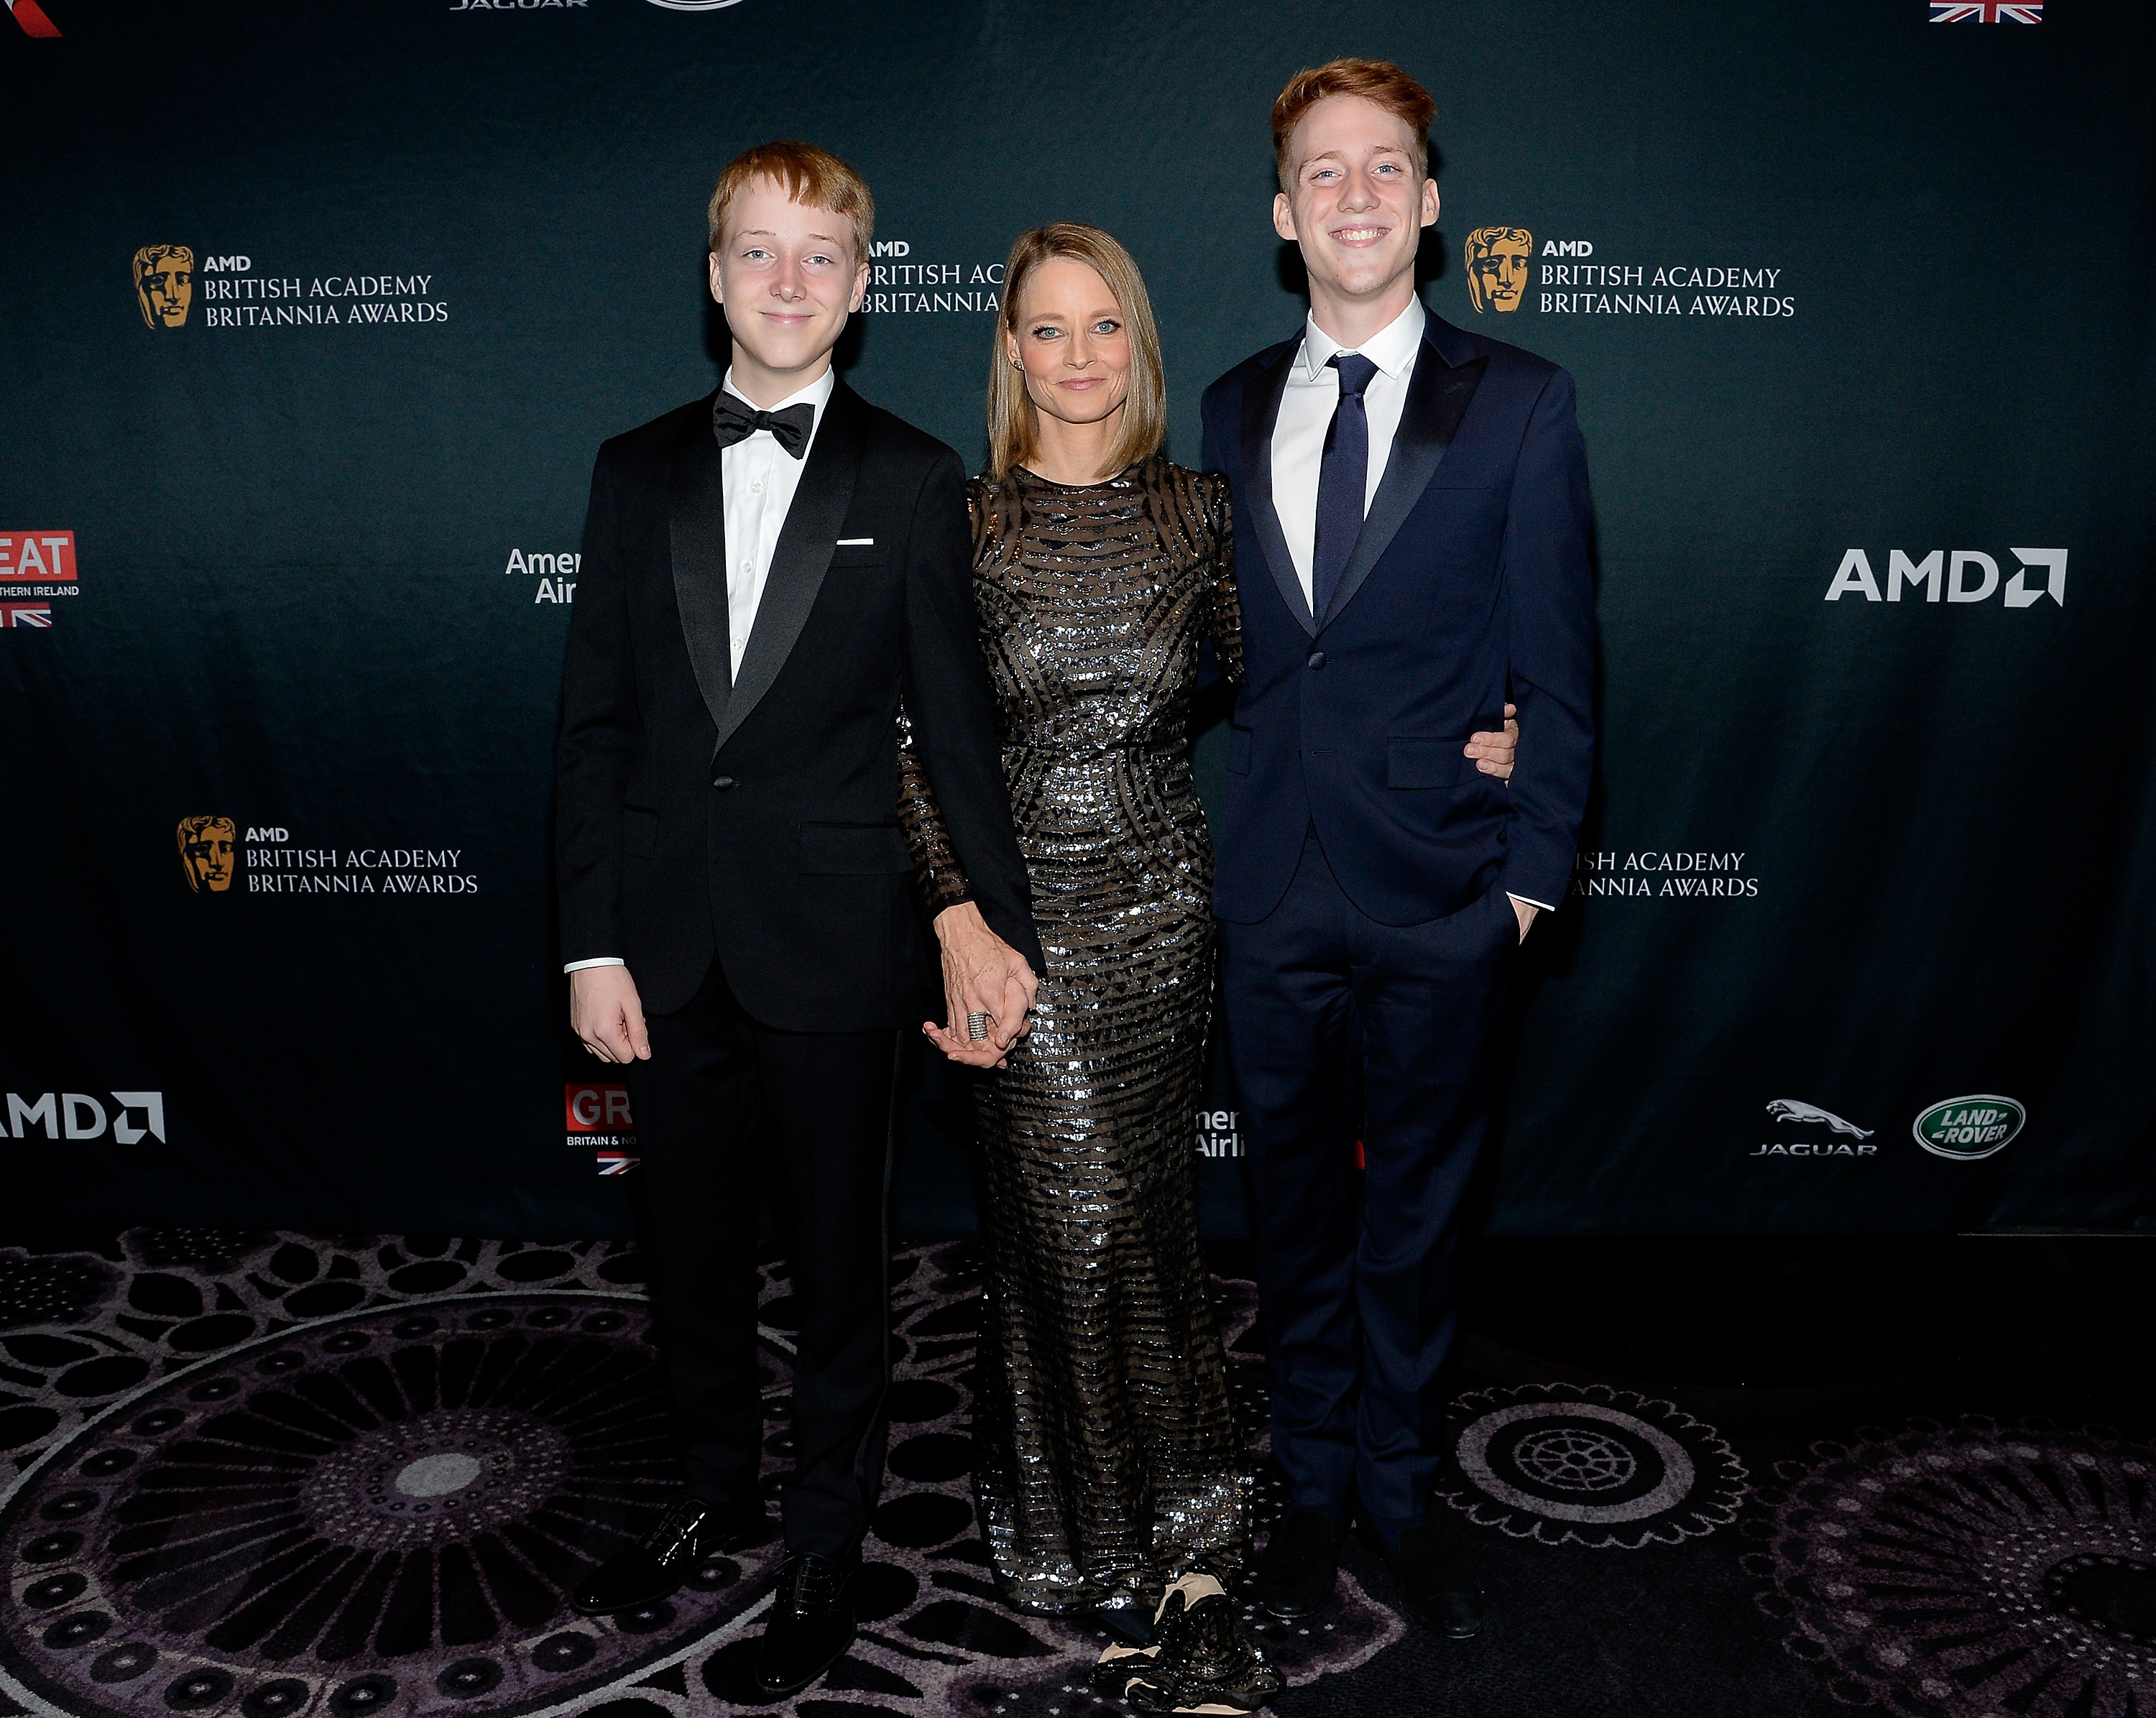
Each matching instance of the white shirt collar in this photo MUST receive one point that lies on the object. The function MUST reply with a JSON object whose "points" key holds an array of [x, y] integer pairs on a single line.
{"points": [[1392, 348], [818, 393]]}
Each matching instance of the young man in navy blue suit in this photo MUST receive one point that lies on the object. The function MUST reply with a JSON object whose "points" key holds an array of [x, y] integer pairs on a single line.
{"points": [[1411, 520]]}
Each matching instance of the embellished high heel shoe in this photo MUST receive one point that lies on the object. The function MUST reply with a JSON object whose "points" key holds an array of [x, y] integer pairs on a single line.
{"points": [[1200, 1660]]}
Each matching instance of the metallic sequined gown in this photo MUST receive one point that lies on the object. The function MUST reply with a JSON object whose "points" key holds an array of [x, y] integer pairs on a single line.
{"points": [[1107, 1451]]}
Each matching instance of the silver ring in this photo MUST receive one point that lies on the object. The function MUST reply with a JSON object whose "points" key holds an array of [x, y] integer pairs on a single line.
{"points": [[977, 1026]]}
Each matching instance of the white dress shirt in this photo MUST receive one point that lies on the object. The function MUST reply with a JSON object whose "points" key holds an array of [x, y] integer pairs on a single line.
{"points": [[1307, 404], [758, 478]]}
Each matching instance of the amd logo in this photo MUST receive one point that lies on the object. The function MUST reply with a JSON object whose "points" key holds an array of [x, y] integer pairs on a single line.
{"points": [[1967, 575], [1568, 246], [227, 265], [81, 1116], [890, 247]]}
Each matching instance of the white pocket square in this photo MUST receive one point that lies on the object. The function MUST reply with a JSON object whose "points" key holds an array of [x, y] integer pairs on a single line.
{"points": [[856, 542]]}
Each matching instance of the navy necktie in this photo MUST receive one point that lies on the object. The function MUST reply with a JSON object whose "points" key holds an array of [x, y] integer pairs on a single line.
{"points": [[1342, 474]]}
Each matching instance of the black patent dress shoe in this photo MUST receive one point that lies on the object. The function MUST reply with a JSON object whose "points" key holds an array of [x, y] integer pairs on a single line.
{"points": [[810, 1626], [1439, 1590], [1302, 1564], [654, 1568]]}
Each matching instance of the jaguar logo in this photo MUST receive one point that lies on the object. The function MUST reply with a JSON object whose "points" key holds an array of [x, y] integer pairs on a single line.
{"points": [[1790, 1110]]}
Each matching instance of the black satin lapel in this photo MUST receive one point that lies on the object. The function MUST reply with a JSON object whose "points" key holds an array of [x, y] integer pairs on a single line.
{"points": [[696, 526], [803, 555], [1437, 399], [1260, 411]]}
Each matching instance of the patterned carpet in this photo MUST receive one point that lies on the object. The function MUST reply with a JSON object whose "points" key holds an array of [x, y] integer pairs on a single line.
{"points": [[272, 1475]]}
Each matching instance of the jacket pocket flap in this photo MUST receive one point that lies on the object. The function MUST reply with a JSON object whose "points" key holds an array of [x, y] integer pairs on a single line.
{"points": [[853, 850], [1424, 763]]}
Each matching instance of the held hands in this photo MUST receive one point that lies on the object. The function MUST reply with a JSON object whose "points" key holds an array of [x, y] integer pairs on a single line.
{"points": [[981, 975], [1493, 752], [605, 1013]]}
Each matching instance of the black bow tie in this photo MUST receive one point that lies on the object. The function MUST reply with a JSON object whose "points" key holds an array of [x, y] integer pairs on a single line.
{"points": [[731, 421]]}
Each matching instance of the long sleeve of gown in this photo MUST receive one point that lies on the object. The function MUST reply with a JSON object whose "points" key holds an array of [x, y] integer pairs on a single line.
{"points": [[937, 874], [1225, 628]]}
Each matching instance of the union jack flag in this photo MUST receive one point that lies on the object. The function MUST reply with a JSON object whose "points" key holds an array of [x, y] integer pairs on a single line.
{"points": [[13, 614], [34, 22], [617, 1162], [1987, 12]]}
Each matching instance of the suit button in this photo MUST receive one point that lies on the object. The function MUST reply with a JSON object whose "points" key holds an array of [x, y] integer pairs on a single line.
{"points": [[1317, 658], [722, 782]]}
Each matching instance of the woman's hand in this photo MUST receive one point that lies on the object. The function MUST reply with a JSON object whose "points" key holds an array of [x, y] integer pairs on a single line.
{"points": [[1493, 752], [981, 975]]}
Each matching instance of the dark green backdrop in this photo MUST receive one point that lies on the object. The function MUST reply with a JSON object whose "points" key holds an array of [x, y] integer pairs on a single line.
{"points": [[1849, 859]]}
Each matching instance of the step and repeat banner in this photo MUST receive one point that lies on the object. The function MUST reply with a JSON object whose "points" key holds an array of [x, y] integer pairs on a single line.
{"points": [[316, 313]]}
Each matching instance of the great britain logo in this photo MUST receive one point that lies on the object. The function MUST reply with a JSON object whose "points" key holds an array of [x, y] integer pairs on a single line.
{"points": [[35, 567]]}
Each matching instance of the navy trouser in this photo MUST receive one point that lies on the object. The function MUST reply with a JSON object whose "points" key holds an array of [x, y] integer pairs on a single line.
{"points": [[1359, 1294]]}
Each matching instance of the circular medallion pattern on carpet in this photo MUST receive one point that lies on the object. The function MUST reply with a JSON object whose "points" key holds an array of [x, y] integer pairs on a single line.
{"points": [[1970, 1571], [1587, 1465], [274, 1476], [389, 1502]]}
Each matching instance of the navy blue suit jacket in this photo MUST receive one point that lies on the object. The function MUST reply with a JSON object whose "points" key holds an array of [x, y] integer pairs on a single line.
{"points": [[1470, 583]]}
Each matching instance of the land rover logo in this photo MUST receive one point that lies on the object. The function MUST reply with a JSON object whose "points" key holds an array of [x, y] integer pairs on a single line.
{"points": [[1973, 1126]]}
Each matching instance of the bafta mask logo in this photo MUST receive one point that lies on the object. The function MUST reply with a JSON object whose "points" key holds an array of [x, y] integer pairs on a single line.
{"points": [[206, 852], [1499, 261], [165, 284]]}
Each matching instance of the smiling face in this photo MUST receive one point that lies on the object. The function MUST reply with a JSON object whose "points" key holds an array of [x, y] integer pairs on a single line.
{"points": [[1070, 339], [1357, 207], [788, 277]]}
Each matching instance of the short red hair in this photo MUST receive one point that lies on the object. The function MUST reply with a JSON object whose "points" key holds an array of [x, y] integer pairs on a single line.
{"points": [[1378, 80], [811, 177]]}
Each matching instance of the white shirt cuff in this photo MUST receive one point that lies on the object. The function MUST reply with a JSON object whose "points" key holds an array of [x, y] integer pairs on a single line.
{"points": [[1522, 898], [602, 960]]}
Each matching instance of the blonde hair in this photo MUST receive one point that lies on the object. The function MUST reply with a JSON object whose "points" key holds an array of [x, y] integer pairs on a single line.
{"points": [[1014, 423], [813, 177]]}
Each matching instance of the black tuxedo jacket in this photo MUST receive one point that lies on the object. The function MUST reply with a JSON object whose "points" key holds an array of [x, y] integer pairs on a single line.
{"points": [[758, 821]]}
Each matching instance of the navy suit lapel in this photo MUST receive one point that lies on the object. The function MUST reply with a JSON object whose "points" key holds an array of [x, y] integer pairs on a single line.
{"points": [[1438, 397], [696, 528], [803, 555], [1262, 400]]}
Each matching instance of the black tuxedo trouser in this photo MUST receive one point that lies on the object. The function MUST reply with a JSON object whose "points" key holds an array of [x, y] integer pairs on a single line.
{"points": [[1357, 1286], [722, 1100]]}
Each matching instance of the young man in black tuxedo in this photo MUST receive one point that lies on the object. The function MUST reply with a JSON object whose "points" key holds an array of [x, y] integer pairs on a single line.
{"points": [[767, 573]]}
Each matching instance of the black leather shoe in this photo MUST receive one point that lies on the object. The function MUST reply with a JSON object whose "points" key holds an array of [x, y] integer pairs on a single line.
{"points": [[1439, 1587], [654, 1568], [811, 1624], [1301, 1566]]}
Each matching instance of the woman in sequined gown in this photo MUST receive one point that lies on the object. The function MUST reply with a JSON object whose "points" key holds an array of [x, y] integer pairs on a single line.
{"points": [[1108, 1462]]}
